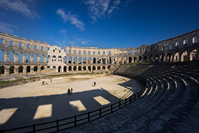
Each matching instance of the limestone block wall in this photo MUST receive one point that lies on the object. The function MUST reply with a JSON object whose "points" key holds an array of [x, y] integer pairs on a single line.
{"points": [[90, 59], [56, 58], [21, 56]]}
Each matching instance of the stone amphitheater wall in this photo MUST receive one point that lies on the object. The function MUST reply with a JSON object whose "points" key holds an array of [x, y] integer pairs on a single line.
{"points": [[53, 59]]}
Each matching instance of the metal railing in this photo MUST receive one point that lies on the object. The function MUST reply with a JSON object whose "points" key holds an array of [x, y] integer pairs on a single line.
{"points": [[66, 123]]}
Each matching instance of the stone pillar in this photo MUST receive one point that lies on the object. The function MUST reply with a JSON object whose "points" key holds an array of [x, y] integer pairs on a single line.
{"points": [[127, 61], [38, 69], [31, 57], [71, 60], [66, 68], [122, 60], [24, 69], [16, 57], [38, 58], [15, 70], [6, 56], [82, 60], [105, 68], [77, 67], [91, 68], [188, 56], [31, 69], [72, 68], [24, 57], [159, 59], [45, 59], [7, 70]]}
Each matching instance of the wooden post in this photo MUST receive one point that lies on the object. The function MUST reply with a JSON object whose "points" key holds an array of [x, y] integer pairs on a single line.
{"points": [[88, 116]]}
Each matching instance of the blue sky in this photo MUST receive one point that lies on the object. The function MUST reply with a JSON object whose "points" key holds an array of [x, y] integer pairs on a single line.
{"points": [[98, 23]]}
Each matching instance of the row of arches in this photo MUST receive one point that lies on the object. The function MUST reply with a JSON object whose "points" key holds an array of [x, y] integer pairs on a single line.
{"points": [[20, 69], [80, 68], [19, 57], [167, 57]]}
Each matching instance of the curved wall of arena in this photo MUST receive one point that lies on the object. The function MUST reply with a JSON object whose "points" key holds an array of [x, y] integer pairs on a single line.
{"points": [[46, 59]]}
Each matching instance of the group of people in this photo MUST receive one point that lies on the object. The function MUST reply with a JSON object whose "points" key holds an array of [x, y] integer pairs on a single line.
{"points": [[70, 91]]}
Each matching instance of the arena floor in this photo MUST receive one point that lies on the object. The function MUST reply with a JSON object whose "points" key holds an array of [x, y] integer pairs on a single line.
{"points": [[33, 103]]}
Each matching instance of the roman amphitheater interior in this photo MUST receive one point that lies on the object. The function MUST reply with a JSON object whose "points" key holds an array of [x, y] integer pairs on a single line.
{"points": [[166, 74]]}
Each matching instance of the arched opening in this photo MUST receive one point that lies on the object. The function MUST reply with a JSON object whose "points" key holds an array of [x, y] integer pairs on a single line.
{"points": [[2, 70], [130, 59], [59, 69], [184, 56], [27, 57], [109, 67], [54, 67], [194, 40], [98, 61], [11, 56], [79, 68], [93, 67], [135, 59], [1, 55], [169, 57], [42, 58], [98, 68], [64, 68], [69, 59], [109, 60], [84, 60], [140, 59], [156, 58], [35, 58], [124, 60], [74, 60], [89, 68], [145, 58], [89, 60], [11, 69], [20, 57], [64, 59], [27, 69], [42, 67], [194, 55], [79, 60], [35, 68], [94, 60], [103, 68], [20, 69], [84, 68], [176, 57], [69, 68], [74, 68]]}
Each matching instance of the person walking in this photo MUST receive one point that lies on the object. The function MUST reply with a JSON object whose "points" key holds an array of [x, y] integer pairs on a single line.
{"points": [[68, 91], [71, 91]]}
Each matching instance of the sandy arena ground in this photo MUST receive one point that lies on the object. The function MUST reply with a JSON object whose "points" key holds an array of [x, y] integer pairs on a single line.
{"points": [[35, 103]]}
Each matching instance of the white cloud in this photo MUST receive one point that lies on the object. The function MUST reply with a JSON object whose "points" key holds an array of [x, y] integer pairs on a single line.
{"points": [[18, 6], [101, 8], [8, 28], [72, 18], [114, 6]]}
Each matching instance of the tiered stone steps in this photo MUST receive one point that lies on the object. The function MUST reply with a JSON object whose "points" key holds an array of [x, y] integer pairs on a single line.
{"points": [[170, 103]]}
